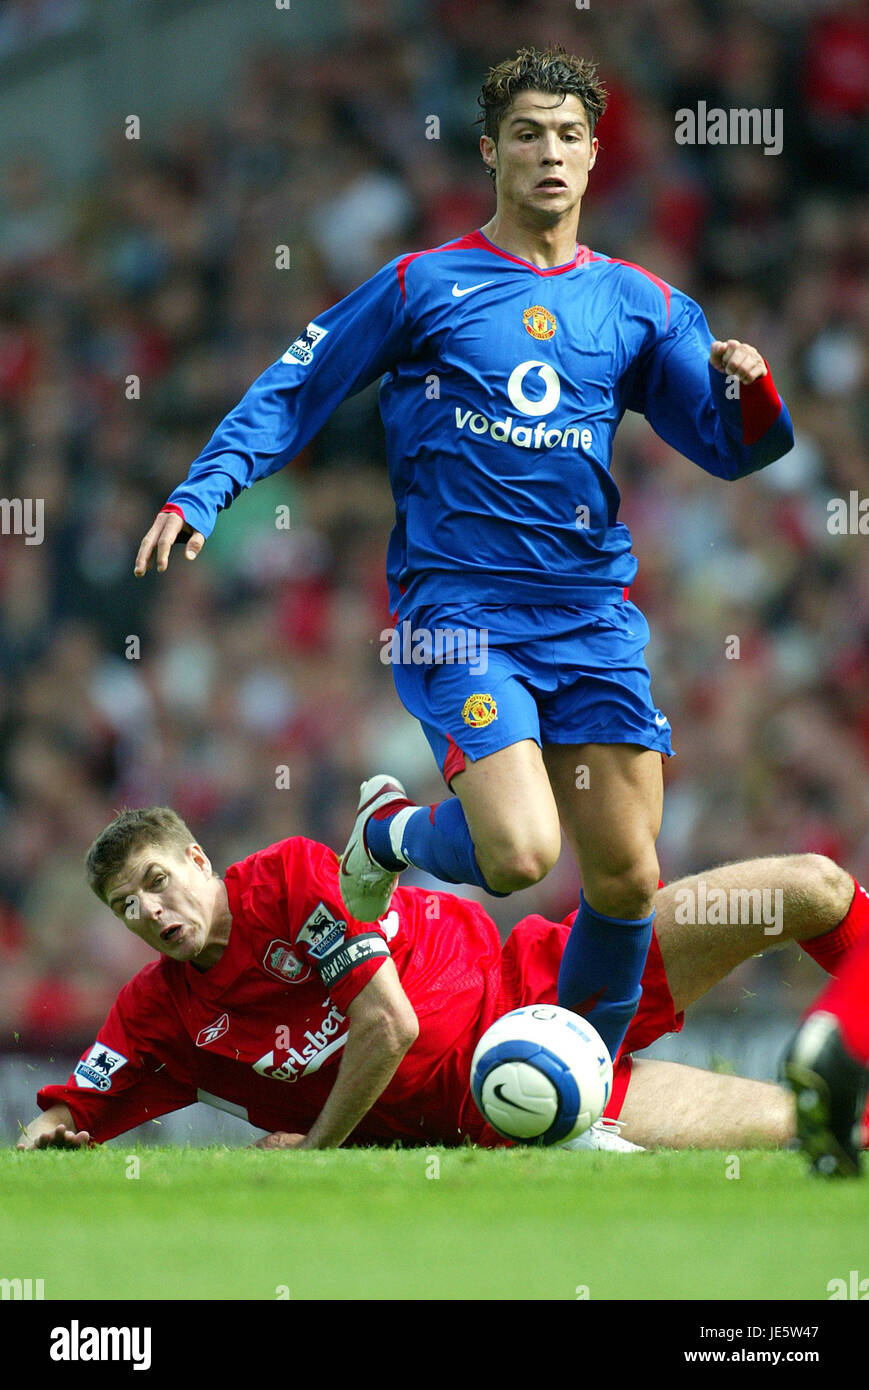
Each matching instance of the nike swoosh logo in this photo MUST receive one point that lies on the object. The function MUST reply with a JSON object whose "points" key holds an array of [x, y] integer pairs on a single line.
{"points": [[457, 293], [507, 1100], [660, 719]]}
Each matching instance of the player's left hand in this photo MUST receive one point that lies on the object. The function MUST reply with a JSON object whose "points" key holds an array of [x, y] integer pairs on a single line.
{"points": [[279, 1140], [737, 359], [58, 1137]]}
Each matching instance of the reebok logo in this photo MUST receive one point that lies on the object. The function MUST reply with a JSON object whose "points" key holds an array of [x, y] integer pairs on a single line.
{"points": [[213, 1031]]}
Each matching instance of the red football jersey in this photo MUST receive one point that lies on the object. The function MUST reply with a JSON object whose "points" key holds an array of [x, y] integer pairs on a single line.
{"points": [[260, 1033]]}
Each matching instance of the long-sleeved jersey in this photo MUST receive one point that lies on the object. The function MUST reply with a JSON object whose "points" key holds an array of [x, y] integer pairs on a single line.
{"points": [[502, 388], [261, 1033]]}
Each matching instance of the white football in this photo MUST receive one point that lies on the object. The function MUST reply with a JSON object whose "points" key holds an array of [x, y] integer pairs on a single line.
{"points": [[541, 1075]]}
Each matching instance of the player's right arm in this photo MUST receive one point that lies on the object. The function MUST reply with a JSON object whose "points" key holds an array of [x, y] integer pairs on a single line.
{"points": [[339, 353], [383, 1028], [134, 1071]]}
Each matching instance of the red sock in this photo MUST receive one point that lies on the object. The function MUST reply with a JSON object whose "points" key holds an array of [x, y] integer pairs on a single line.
{"points": [[830, 949], [848, 998]]}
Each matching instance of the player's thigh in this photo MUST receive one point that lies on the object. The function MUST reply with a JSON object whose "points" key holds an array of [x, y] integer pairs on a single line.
{"points": [[509, 804], [610, 799], [672, 1106]]}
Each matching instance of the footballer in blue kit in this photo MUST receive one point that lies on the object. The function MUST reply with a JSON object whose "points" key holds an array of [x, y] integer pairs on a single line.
{"points": [[507, 358]]}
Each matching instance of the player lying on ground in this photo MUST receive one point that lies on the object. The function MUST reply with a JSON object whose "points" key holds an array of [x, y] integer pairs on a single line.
{"points": [[508, 358], [269, 1002], [828, 1069]]}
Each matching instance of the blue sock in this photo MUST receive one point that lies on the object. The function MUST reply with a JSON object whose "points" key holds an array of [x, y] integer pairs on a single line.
{"points": [[439, 842], [601, 970]]}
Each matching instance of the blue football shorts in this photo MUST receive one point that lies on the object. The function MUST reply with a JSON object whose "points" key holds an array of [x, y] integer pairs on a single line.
{"points": [[481, 678]]}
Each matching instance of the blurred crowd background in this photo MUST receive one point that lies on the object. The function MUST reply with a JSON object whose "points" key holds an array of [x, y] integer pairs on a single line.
{"points": [[158, 261]]}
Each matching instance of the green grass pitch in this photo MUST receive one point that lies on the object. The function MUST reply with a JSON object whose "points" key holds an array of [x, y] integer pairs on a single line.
{"points": [[219, 1223]]}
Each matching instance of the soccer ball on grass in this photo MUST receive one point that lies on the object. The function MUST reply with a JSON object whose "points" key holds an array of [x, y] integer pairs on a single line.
{"points": [[541, 1075]]}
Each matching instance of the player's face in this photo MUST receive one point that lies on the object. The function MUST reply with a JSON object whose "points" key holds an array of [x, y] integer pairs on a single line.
{"points": [[167, 899], [543, 155]]}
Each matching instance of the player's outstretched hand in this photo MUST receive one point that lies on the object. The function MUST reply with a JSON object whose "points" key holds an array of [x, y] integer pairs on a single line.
{"points": [[60, 1137], [738, 359], [168, 527], [279, 1140]]}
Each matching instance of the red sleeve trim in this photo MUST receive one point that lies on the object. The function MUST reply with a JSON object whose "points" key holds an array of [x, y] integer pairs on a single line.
{"points": [[761, 407], [171, 507]]}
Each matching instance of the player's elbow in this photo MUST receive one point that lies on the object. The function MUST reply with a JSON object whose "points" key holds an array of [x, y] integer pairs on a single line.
{"points": [[394, 1027], [404, 1028]]}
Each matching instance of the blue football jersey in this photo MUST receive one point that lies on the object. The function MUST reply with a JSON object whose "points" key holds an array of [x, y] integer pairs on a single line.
{"points": [[502, 388]]}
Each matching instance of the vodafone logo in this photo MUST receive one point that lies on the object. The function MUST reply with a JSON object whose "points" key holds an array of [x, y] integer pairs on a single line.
{"points": [[543, 435], [551, 396]]}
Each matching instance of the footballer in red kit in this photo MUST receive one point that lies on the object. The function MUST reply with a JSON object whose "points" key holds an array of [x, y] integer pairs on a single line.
{"points": [[261, 1031], [270, 1002]]}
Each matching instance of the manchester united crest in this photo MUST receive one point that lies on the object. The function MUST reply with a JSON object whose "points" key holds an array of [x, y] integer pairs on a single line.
{"points": [[479, 710], [539, 322]]}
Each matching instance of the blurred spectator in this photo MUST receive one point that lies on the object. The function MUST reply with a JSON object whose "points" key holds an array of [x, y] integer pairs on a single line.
{"points": [[25, 22]]}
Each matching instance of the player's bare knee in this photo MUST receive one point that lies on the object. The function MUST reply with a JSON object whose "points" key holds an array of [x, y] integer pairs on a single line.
{"points": [[629, 895], [513, 867], [828, 888]]}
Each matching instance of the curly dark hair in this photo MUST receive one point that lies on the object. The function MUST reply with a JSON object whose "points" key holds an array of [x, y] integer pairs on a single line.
{"points": [[551, 70], [129, 832]]}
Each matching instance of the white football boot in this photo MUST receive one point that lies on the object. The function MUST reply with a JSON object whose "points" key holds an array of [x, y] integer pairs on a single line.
{"points": [[367, 887], [603, 1134]]}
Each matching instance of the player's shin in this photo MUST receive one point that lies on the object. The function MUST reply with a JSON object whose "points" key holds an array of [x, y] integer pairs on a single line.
{"points": [[601, 970], [434, 838]]}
